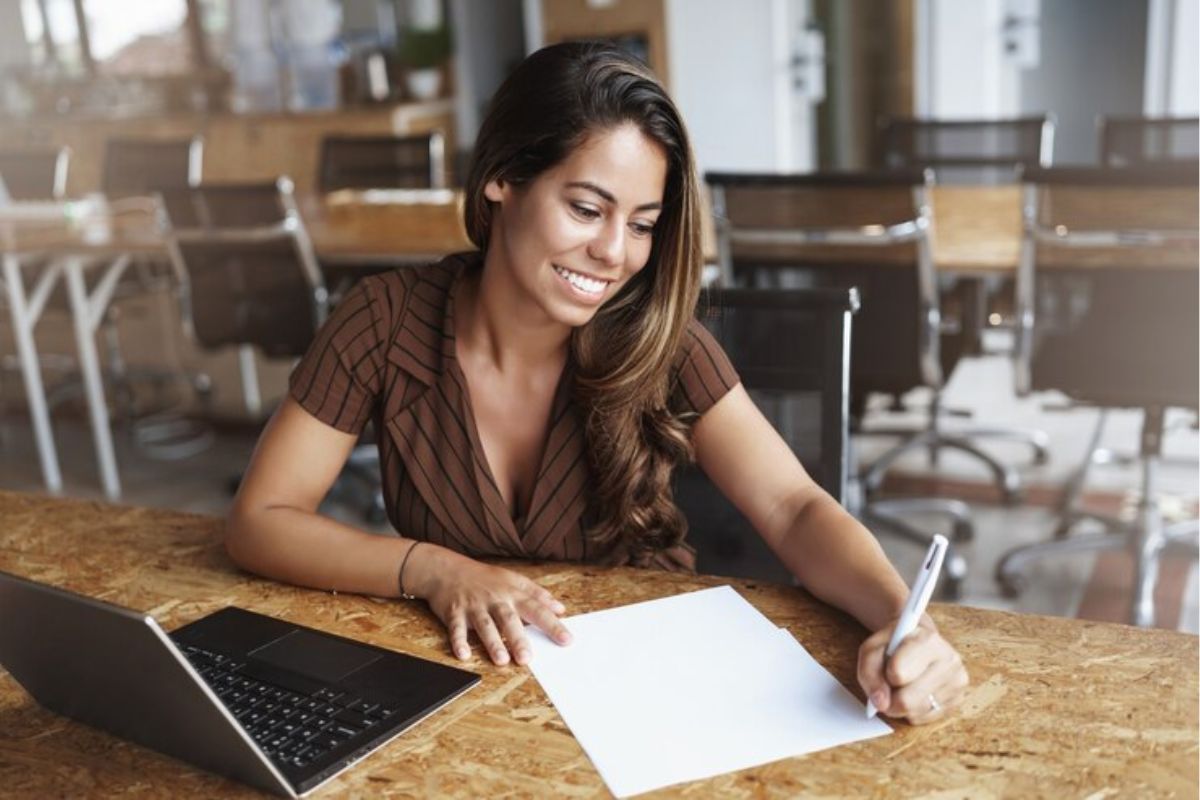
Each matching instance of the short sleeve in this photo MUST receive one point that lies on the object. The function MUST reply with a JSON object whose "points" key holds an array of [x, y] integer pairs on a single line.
{"points": [[702, 372], [339, 379]]}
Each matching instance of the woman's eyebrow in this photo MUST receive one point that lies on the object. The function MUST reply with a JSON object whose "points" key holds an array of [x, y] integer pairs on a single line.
{"points": [[607, 195]]}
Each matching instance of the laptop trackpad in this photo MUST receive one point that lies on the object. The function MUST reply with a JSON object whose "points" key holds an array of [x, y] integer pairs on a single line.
{"points": [[312, 655]]}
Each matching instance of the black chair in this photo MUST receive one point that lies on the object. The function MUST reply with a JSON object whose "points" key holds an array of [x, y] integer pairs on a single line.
{"points": [[141, 167], [251, 280], [1107, 301], [862, 230], [31, 174], [968, 151], [247, 269], [1127, 142], [791, 350], [1134, 141], [382, 162]]}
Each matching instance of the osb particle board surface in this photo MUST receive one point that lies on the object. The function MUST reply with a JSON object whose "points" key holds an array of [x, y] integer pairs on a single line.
{"points": [[1058, 708]]}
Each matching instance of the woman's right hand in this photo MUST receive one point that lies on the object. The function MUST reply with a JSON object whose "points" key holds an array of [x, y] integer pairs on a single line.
{"points": [[494, 602]]}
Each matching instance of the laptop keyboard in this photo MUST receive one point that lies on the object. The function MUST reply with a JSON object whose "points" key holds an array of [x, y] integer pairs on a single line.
{"points": [[293, 729]]}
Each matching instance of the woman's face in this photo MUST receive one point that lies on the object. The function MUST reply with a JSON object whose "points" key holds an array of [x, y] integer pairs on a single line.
{"points": [[571, 238]]}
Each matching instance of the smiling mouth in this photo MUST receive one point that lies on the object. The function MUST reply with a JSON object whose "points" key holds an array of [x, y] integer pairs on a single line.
{"points": [[592, 286]]}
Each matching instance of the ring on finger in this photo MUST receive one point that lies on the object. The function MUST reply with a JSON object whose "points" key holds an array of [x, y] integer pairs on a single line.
{"points": [[934, 705]]}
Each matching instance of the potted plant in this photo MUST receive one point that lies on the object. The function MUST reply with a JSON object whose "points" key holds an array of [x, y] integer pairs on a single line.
{"points": [[423, 51]]}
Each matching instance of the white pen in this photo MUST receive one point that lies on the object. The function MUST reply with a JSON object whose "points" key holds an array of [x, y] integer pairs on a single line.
{"points": [[918, 599]]}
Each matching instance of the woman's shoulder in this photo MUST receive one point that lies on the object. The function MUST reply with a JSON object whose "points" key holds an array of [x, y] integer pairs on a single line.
{"points": [[701, 372], [392, 291]]}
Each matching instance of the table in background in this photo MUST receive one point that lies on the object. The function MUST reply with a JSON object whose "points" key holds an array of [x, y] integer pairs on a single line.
{"points": [[1058, 708], [362, 231]]}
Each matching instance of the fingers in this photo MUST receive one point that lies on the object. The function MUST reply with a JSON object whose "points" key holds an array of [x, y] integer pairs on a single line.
{"points": [[945, 682], [513, 630], [871, 675], [914, 656], [545, 619], [456, 626], [489, 635], [924, 666]]}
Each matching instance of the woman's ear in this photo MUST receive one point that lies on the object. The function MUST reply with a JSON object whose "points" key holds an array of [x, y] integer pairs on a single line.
{"points": [[494, 190]]}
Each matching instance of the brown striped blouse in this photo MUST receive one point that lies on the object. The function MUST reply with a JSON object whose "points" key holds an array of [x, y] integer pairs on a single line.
{"points": [[387, 354]]}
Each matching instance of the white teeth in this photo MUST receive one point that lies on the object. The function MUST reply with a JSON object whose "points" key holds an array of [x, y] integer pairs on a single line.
{"points": [[589, 285]]}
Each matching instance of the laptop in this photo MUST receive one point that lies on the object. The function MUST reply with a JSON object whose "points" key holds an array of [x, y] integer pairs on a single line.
{"points": [[275, 705]]}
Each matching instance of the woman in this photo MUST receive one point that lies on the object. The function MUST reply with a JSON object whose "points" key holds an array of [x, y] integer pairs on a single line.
{"points": [[532, 399]]}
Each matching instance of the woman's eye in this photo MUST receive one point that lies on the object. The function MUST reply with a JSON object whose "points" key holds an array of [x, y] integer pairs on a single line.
{"points": [[642, 229], [586, 212]]}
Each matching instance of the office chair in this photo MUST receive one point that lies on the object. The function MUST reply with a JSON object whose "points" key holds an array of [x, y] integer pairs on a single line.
{"points": [[972, 152], [1127, 142], [791, 349], [967, 151], [864, 230], [1107, 303], [140, 167], [382, 162], [249, 278], [32, 174], [1133, 141]]}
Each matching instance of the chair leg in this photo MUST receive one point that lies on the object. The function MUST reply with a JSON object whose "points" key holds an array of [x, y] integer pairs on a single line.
{"points": [[1039, 441], [1005, 476], [872, 477], [1147, 544], [1068, 513], [1010, 571]]}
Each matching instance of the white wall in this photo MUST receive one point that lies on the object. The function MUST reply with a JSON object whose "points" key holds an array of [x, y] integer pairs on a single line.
{"points": [[14, 50], [730, 82], [964, 74], [1184, 95], [489, 42]]}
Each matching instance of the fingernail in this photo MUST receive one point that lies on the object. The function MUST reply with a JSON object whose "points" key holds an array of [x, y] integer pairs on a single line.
{"points": [[521, 657], [564, 637], [880, 699]]}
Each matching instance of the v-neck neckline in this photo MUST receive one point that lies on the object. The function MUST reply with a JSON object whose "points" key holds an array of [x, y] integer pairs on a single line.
{"points": [[492, 493]]}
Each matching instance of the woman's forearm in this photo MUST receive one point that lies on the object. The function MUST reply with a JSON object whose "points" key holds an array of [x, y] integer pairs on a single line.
{"points": [[840, 562], [304, 548]]}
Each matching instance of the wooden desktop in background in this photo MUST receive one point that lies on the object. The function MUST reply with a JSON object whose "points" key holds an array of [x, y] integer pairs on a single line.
{"points": [[1057, 708]]}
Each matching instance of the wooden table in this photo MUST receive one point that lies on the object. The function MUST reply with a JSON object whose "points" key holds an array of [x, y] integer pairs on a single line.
{"points": [[1058, 708]]}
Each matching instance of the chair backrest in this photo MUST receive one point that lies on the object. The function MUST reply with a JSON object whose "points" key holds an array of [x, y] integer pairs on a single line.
{"points": [[791, 350], [382, 162], [1129, 141], [840, 230], [969, 151], [247, 268], [1107, 285], [35, 173], [141, 167]]}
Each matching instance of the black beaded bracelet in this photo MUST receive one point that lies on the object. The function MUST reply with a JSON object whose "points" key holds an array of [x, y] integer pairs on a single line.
{"points": [[400, 576]]}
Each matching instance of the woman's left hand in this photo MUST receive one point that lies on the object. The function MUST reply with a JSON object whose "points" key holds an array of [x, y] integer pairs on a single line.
{"points": [[922, 681]]}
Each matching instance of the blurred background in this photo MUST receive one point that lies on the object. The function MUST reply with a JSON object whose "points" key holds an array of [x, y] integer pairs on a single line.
{"points": [[188, 186]]}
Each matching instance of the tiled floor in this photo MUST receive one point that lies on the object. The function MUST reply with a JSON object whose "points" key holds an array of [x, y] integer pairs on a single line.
{"points": [[200, 484]]}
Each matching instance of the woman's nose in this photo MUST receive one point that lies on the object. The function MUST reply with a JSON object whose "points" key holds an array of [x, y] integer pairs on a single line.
{"points": [[608, 246]]}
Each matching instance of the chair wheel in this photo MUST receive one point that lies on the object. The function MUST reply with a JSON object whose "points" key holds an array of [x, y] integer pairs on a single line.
{"points": [[963, 531], [1040, 457]]}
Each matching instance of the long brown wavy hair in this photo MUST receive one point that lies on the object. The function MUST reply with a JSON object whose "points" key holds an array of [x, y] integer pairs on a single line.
{"points": [[554, 100]]}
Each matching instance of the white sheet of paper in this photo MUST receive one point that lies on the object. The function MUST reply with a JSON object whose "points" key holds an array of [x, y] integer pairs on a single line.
{"points": [[692, 686]]}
